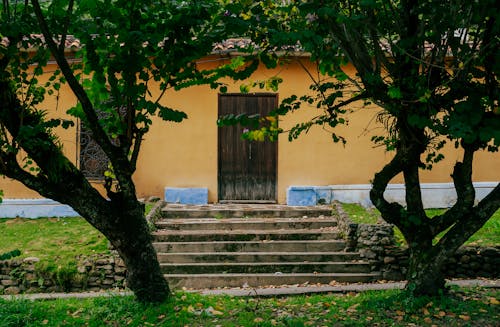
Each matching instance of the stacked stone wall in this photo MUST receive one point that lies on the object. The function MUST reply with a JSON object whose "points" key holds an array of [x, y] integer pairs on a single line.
{"points": [[377, 245], [94, 273]]}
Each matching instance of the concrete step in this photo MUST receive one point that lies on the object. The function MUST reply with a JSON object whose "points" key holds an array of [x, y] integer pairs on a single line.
{"points": [[264, 267], [242, 210], [251, 257], [199, 281], [329, 233], [245, 223], [252, 246], [232, 245]]}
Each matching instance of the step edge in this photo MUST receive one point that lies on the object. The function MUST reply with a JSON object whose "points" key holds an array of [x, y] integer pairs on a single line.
{"points": [[257, 253], [305, 263], [374, 274]]}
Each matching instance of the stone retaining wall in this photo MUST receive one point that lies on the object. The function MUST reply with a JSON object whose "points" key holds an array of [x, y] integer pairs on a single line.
{"points": [[94, 273], [376, 244]]}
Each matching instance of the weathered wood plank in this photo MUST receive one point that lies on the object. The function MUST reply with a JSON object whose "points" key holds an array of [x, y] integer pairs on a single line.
{"points": [[247, 170]]}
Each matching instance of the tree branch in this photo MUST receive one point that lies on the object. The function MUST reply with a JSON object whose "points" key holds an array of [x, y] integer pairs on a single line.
{"points": [[58, 178], [117, 158], [462, 179], [135, 150], [391, 212], [62, 44], [11, 169], [360, 96], [470, 223]]}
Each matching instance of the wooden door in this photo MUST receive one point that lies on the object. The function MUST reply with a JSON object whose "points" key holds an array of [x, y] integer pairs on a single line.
{"points": [[247, 170]]}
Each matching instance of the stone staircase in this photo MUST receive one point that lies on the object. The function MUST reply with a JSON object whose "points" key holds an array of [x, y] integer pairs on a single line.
{"points": [[254, 245]]}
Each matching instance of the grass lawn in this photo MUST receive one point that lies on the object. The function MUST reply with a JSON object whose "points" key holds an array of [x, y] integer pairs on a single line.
{"points": [[488, 235], [462, 307], [56, 241]]}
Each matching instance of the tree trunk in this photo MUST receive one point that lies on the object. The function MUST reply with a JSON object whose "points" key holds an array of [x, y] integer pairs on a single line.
{"points": [[144, 276], [425, 275], [129, 234]]}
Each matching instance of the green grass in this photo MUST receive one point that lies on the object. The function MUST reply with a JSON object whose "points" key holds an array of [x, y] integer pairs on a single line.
{"points": [[148, 207], [476, 307], [56, 241], [488, 235], [360, 214]]}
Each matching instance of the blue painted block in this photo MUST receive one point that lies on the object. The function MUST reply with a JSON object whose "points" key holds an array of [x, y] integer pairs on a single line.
{"points": [[187, 195], [324, 193], [301, 196]]}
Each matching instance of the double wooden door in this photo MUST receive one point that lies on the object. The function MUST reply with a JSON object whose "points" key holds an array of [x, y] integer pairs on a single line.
{"points": [[246, 169]]}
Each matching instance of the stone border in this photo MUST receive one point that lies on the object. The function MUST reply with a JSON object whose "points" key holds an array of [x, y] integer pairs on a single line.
{"points": [[154, 214]]}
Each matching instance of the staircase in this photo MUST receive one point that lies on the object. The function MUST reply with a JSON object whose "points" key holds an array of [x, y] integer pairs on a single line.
{"points": [[254, 245]]}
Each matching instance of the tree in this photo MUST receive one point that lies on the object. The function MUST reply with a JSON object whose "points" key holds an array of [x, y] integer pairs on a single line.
{"points": [[128, 47], [432, 68]]}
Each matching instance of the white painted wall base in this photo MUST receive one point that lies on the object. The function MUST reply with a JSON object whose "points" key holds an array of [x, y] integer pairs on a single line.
{"points": [[434, 195], [34, 208]]}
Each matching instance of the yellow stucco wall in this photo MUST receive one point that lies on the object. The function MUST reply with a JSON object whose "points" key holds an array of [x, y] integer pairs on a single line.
{"points": [[185, 155]]}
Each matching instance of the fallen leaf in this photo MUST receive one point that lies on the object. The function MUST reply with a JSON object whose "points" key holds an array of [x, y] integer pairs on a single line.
{"points": [[160, 317], [425, 312], [353, 308], [45, 322], [400, 313], [77, 313], [214, 312], [494, 301], [427, 320], [442, 313], [258, 319], [464, 317]]}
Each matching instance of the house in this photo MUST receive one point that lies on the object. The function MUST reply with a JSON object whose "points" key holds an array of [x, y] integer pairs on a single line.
{"points": [[197, 162]]}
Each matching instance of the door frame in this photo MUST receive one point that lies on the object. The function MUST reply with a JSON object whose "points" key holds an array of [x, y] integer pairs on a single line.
{"points": [[276, 153]]}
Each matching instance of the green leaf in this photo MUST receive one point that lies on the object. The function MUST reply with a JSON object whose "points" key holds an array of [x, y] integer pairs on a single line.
{"points": [[394, 92], [172, 115]]}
